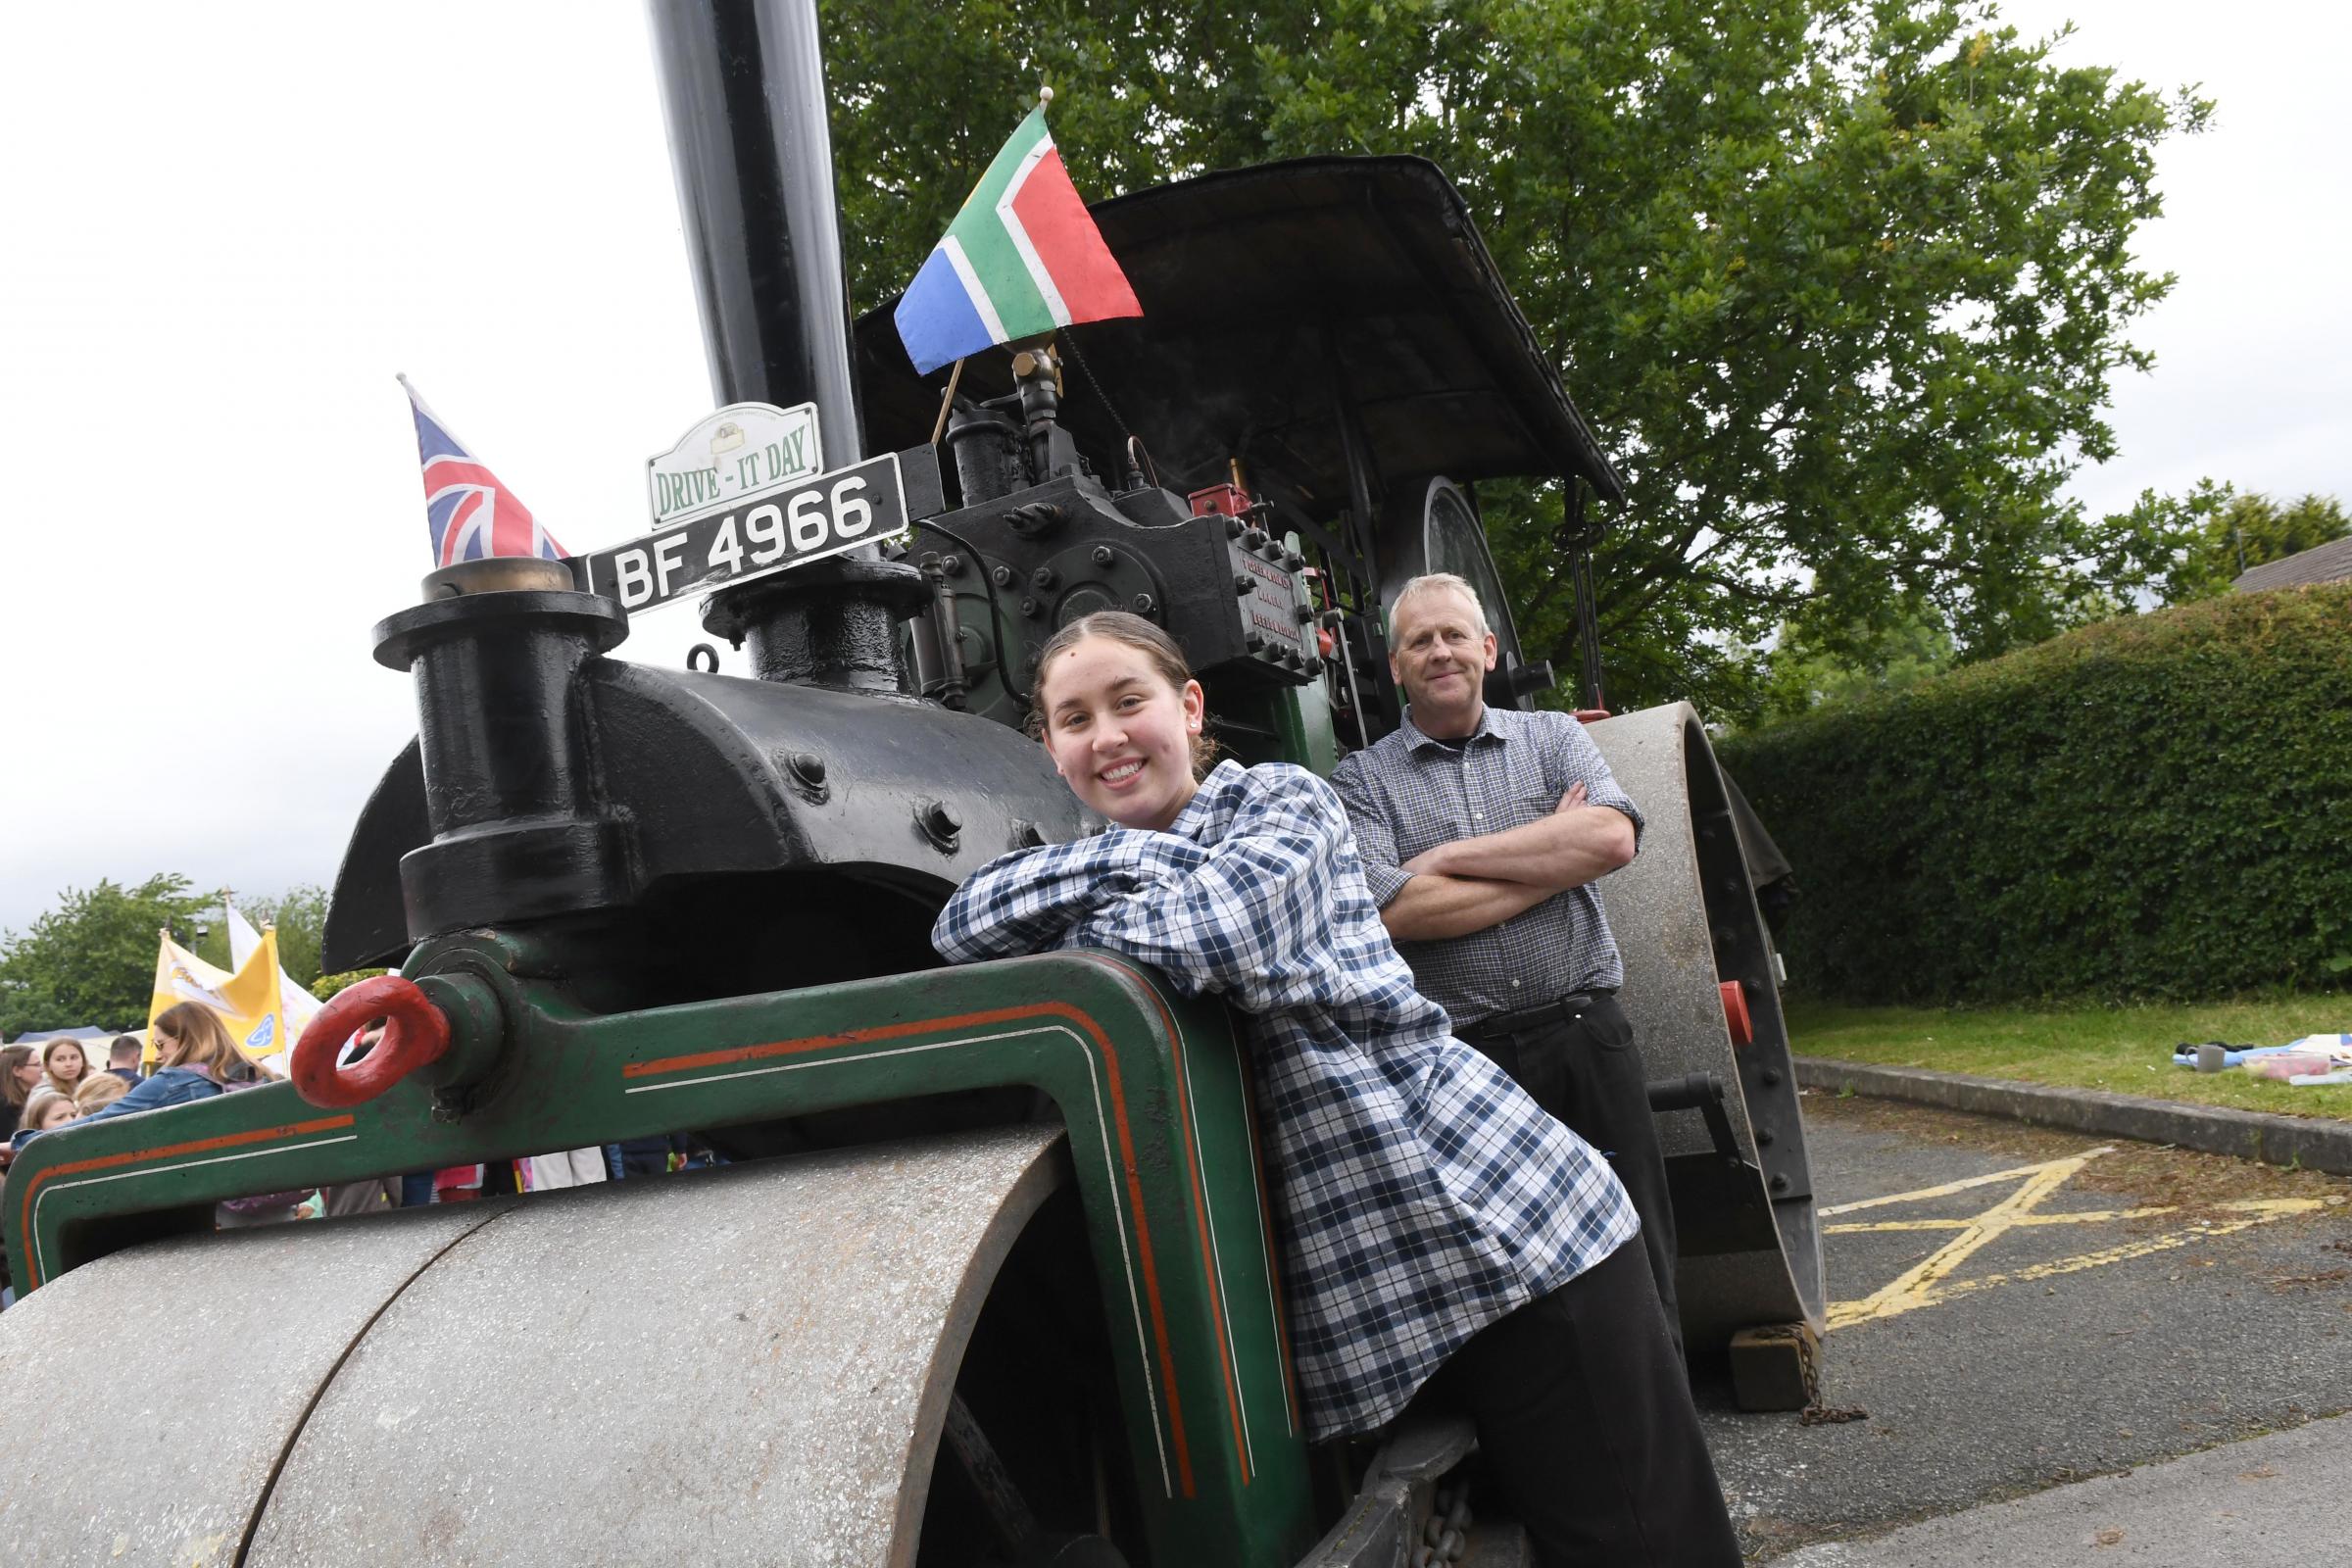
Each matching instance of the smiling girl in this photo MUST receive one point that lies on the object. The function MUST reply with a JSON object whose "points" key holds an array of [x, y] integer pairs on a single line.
{"points": [[1437, 1227]]}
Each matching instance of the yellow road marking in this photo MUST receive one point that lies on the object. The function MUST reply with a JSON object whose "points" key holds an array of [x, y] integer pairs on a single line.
{"points": [[1930, 1282], [2071, 1216], [1947, 1188], [1915, 1287], [2270, 1210]]}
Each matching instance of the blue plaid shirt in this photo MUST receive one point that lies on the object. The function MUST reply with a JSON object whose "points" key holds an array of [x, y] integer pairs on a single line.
{"points": [[1407, 794], [1421, 1194]]}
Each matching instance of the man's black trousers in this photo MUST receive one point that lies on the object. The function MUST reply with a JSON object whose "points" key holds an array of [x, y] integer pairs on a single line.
{"points": [[1587, 1073], [1585, 1422]]}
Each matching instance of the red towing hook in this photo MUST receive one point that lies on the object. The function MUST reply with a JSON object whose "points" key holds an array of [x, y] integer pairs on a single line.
{"points": [[415, 1035]]}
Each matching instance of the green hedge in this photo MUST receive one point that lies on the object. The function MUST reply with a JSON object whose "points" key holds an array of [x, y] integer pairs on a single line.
{"points": [[326, 985], [2155, 807]]}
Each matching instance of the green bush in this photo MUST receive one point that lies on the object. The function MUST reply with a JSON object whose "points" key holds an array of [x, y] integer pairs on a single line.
{"points": [[326, 985], [2154, 807]]}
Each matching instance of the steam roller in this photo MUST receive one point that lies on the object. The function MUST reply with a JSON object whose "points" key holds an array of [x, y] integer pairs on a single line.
{"points": [[988, 1280]]}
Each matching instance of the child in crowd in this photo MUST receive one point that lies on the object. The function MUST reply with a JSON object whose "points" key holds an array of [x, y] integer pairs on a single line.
{"points": [[64, 1065], [1439, 1229], [45, 1110], [99, 1088]]}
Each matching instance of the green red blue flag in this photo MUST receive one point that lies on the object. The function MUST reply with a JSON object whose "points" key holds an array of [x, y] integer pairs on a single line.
{"points": [[1022, 258]]}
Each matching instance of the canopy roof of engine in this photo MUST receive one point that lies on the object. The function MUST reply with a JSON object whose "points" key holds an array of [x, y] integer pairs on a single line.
{"points": [[1268, 293]]}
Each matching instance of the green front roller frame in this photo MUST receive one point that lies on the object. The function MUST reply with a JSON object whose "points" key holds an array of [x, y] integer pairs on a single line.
{"points": [[1152, 1088]]}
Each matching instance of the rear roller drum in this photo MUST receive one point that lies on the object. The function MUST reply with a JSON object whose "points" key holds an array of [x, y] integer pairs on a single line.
{"points": [[1704, 1000]]}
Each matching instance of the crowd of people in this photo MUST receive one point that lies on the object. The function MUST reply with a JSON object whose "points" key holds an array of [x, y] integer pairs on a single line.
{"points": [[48, 1085]]}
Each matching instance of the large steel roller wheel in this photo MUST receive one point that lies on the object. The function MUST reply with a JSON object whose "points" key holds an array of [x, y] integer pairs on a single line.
{"points": [[795, 1361], [1685, 922]]}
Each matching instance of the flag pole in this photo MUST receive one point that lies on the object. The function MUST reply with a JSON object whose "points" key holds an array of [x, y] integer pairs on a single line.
{"points": [[947, 401]]}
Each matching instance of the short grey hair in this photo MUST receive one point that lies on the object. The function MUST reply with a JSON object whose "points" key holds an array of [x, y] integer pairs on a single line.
{"points": [[1435, 582]]}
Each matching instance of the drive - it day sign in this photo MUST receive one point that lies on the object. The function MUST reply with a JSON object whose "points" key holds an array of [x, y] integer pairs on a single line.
{"points": [[742, 451], [741, 496]]}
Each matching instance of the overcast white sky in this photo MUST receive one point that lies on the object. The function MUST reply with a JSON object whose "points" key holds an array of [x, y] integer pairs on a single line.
{"points": [[228, 225]]}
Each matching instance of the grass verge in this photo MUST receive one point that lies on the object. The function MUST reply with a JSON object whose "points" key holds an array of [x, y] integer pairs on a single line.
{"points": [[2126, 1050]]}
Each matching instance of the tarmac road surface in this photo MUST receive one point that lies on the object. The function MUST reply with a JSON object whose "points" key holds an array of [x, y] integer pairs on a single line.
{"points": [[2275, 1502], [2014, 1309]]}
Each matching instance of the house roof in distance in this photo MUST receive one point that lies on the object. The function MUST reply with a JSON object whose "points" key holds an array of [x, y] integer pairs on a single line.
{"points": [[2327, 562]]}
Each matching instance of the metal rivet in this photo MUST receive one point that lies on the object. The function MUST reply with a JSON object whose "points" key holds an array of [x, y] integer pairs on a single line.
{"points": [[1105, 555], [1002, 576], [1042, 578], [938, 823], [1029, 606], [1145, 604], [1779, 1184], [808, 767], [952, 565], [1240, 582]]}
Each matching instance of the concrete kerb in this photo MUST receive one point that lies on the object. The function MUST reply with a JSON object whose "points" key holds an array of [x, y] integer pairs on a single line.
{"points": [[2311, 1142]]}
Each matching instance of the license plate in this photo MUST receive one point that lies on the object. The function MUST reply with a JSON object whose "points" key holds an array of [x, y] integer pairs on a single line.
{"points": [[824, 515]]}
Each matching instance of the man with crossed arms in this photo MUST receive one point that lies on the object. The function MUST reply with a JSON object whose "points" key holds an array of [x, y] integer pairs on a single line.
{"points": [[1482, 832]]}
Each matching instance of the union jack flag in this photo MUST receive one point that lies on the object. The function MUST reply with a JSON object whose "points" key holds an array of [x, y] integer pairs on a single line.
{"points": [[470, 513]]}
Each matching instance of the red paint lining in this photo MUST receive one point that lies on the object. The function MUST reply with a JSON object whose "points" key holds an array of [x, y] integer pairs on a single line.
{"points": [[1209, 1250]]}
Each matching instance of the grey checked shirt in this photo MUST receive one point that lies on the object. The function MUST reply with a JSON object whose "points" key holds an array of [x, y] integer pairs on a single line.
{"points": [[1407, 794], [1422, 1194]]}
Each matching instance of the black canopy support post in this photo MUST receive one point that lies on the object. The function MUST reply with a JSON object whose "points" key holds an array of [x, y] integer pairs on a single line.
{"points": [[742, 87], [1363, 478], [1581, 539]]}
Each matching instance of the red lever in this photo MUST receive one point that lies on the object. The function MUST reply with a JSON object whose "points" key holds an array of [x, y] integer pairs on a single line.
{"points": [[415, 1034], [1735, 1012]]}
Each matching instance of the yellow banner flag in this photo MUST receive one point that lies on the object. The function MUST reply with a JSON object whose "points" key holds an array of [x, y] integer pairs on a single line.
{"points": [[250, 1001]]}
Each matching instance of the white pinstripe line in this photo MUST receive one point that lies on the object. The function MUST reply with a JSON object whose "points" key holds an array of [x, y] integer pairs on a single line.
{"points": [[41, 1265]]}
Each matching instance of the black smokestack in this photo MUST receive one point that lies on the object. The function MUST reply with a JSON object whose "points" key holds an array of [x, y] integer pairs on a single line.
{"points": [[743, 85]]}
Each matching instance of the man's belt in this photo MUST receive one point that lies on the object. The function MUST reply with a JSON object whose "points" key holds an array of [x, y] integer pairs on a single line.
{"points": [[1519, 1020]]}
